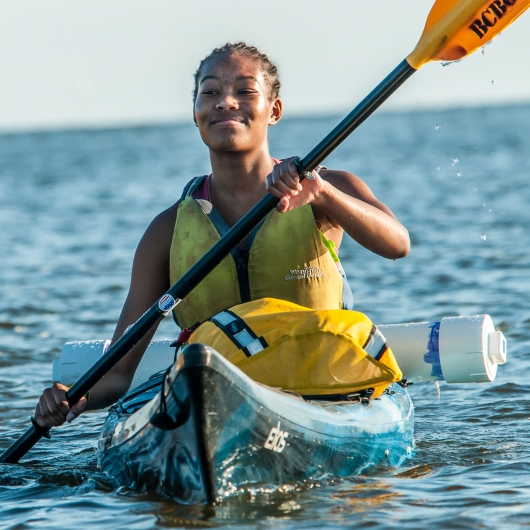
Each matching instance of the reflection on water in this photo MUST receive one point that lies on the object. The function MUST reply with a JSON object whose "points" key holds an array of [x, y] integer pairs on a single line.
{"points": [[73, 206]]}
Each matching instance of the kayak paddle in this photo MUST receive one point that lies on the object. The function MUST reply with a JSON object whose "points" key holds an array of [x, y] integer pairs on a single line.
{"points": [[454, 29]]}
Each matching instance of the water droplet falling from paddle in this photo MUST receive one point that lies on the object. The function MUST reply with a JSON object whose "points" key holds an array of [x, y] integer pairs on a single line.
{"points": [[487, 44], [437, 168], [459, 174], [436, 126], [483, 237], [455, 161], [493, 81], [437, 385]]}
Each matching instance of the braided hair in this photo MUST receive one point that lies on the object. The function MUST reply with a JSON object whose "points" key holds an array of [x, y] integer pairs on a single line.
{"points": [[242, 48]]}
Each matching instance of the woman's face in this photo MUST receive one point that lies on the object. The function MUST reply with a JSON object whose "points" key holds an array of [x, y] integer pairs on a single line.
{"points": [[233, 109]]}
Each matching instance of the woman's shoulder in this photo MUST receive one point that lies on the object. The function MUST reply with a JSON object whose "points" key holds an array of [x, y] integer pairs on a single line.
{"points": [[165, 220], [159, 234]]}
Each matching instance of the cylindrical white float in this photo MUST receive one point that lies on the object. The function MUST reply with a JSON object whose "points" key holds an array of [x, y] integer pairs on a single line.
{"points": [[457, 349]]}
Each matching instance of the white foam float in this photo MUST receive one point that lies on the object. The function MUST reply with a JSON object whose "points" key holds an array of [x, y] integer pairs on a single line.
{"points": [[464, 349]]}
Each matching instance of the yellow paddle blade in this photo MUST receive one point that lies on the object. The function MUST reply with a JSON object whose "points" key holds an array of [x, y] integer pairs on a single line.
{"points": [[456, 28]]}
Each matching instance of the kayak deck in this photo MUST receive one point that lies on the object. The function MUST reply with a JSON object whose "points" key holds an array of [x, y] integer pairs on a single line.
{"points": [[222, 431]]}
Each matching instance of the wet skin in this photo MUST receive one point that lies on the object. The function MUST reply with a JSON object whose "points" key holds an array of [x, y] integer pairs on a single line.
{"points": [[233, 112]]}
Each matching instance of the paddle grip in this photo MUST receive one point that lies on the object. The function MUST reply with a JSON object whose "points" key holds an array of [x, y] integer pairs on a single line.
{"points": [[218, 252]]}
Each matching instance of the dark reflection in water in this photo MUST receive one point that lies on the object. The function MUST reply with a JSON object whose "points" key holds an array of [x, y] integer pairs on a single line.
{"points": [[73, 206]]}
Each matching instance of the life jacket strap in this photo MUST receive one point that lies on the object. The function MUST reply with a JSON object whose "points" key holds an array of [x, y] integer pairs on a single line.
{"points": [[375, 344], [236, 329], [192, 186]]}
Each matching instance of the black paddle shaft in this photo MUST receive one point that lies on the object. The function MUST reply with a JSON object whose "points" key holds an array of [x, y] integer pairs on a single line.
{"points": [[213, 257]]}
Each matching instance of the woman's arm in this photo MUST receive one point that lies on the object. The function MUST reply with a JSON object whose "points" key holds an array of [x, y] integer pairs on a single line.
{"points": [[341, 201], [346, 201], [149, 281]]}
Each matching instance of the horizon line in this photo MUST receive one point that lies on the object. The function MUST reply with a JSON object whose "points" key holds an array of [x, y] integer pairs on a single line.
{"points": [[171, 122]]}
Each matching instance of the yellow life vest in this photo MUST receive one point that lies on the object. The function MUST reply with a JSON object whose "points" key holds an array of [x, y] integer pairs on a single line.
{"points": [[312, 353], [288, 259]]}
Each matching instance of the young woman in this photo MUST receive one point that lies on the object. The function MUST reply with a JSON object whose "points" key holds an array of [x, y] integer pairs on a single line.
{"points": [[292, 255]]}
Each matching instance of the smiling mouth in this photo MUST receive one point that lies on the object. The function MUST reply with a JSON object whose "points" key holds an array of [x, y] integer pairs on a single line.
{"points": [[227, 120]]}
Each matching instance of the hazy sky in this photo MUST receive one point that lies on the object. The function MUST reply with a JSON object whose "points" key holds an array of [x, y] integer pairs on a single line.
{"points": [[110, 62]]}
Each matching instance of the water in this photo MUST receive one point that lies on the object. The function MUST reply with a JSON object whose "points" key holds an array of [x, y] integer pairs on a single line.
{"points": [[73, 206]]}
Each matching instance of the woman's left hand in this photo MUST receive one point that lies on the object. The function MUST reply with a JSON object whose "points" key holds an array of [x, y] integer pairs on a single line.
{"points": [[284, 183]]}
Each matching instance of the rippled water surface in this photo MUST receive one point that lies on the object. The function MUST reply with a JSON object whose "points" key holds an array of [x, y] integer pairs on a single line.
{"points": [[73, 206]]}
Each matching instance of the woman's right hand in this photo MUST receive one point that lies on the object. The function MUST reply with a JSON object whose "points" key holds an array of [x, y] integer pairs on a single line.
{"points": [[53, 409], [284, 183]]}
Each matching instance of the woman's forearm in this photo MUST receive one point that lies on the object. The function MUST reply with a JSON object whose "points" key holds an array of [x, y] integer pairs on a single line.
{"points": [[108, 390], [370, 226]]}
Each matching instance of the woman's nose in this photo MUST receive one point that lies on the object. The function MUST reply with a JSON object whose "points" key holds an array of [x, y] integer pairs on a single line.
{"points": [[227, 102]]}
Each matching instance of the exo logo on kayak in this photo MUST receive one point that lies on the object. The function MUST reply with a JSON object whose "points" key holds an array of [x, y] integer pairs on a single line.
{"points": [[491, 16], [276, 440]]}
